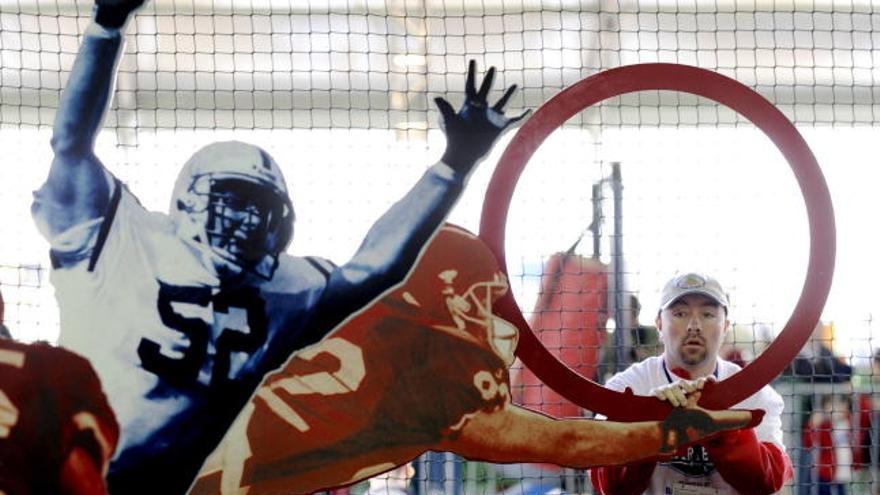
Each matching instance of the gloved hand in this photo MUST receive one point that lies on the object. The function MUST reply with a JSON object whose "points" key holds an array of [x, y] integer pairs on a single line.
{"points": [[685, 426], [472, 131], [114, 13]]}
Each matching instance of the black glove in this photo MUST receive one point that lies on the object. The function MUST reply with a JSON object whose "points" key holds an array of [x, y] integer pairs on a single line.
{"points": [[114, 13], [472, 131], [685, 426]]}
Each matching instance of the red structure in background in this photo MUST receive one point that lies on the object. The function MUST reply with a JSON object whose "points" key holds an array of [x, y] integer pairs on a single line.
{"points": [[569, 320]]}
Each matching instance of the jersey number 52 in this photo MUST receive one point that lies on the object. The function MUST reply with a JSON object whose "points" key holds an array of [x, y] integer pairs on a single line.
{"points": [[184, 370]]}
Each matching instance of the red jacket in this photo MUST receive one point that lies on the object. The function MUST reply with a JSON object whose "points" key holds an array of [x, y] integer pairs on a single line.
{"points": [[818, 434], [748, 465], [862, 433], [819, 437]]}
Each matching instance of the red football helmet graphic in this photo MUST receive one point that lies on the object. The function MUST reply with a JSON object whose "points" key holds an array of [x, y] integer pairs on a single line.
{"points": [[458, 269]]}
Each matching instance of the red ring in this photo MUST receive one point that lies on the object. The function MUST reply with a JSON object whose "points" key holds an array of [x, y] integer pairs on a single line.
{"points": [[765, 116]]}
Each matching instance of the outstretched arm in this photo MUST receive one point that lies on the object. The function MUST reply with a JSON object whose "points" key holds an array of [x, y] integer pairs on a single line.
{"points": [[76, 189], [395, 240], [517, 434]]}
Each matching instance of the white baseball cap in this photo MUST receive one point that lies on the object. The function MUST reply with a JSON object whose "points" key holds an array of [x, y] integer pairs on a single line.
{"points": [[692, 283]]}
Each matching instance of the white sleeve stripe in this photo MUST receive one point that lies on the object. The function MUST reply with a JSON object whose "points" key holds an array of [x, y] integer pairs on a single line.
{"points": [[87, 421]]}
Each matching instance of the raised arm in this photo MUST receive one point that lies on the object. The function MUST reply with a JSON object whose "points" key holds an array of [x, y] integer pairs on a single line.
{"points": [[76, 189], [395, 240]]}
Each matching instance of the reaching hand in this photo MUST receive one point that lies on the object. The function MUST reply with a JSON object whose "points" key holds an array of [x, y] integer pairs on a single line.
{"points": [[472, 131], [684, 426], [683, 392], [114, 13]]}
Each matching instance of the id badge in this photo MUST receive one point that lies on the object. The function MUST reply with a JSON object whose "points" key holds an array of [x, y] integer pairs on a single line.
{"points": [[682, 488]]}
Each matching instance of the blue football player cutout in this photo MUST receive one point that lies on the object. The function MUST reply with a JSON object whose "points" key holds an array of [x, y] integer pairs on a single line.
{"points": [[183, 314]]}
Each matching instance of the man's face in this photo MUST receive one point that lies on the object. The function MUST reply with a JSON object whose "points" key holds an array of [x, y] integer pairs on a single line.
{"points": [[692, 330]]}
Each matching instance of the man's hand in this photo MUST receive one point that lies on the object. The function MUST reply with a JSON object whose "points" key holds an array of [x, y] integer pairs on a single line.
{"points": [[683, 393], [685, 426], [114, 13], [472, 131]]}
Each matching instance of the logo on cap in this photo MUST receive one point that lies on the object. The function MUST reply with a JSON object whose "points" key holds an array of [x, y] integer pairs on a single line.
{"points": [[691, 281]]}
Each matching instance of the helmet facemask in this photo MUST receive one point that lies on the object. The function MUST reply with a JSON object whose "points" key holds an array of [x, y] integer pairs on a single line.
{"points": [[474, 308], [244, 222], [456, 284], [230, 202], [475, 304]]}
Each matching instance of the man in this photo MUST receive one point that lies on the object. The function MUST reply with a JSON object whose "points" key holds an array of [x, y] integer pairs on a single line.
{"points": [[182, 315], [423, 368], [828, 436], [57, 432], [692, 321], [866, 425]]}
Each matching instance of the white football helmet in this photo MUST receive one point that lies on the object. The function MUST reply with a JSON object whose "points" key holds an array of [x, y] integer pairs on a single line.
{"points": [[232, 200]]}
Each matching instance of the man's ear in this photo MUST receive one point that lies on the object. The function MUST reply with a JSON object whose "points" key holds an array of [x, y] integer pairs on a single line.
{"points": [[658, 322]]}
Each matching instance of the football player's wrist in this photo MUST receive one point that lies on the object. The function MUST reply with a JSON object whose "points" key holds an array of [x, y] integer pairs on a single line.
{"points": [[459, 161], [100, 31], [447, 171], [656, 438]]}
